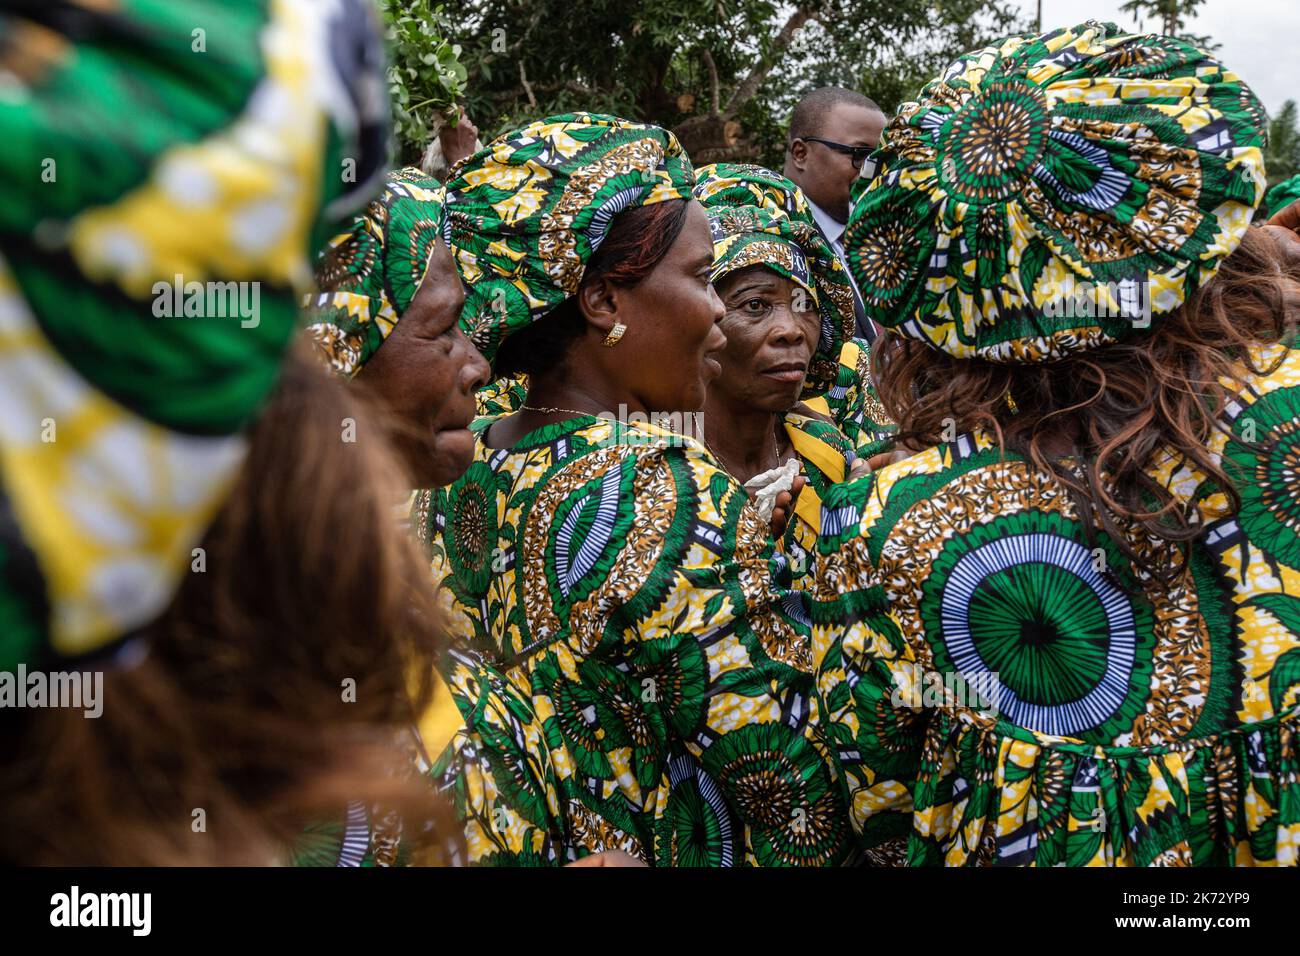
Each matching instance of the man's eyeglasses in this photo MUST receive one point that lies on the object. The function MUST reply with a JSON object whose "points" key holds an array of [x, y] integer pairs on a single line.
{"points": [[857, 154]]}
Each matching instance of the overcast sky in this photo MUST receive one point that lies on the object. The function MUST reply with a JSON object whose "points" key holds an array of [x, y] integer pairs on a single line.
{"points": [[1259, 39]]}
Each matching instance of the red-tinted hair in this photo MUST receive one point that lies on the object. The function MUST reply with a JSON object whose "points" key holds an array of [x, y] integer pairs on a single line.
{"points": [[637, 241]]}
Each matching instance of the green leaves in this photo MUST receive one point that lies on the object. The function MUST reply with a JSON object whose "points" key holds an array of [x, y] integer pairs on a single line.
{"points": [[425, 76], [664, 61]]}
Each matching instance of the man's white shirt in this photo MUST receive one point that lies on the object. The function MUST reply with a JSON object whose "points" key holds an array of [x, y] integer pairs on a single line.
{"points": [[832, 230]]}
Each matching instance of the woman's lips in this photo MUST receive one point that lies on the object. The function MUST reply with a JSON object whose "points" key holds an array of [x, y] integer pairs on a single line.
{"points": [[789, 372], [712, 368], [460, 423]]}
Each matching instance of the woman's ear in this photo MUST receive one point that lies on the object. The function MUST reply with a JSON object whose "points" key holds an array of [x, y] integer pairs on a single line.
{"points": [[598, 301]]}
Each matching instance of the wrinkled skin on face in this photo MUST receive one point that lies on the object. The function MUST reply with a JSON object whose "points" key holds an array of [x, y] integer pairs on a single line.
{"points": [[772, 329], [426, 373]]}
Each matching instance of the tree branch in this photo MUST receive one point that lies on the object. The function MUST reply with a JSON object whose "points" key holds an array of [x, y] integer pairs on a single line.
{"points": [[514, 48], [573, 86], [523, 81], [713, 81], [747, 87]]}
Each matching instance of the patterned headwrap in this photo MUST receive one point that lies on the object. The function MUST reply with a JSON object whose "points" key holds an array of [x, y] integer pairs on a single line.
{"points": [[162, 194], [1054, 193], [758, 217], [372, 271], [1280, 196], [528, 211]]}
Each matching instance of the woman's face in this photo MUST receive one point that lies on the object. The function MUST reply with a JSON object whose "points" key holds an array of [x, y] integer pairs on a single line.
{"points": [[670, 351], [772, 331], [427, 372]]}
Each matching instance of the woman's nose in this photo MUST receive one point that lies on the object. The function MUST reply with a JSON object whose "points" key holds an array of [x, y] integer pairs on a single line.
{"points": [[474, 371], [719, 310], [787, 324]]}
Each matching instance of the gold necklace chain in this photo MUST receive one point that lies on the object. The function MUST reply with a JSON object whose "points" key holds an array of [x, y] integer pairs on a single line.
{"points": [[549, 410]]}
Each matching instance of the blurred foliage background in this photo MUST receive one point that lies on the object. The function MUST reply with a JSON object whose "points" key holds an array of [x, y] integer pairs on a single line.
{"points": [[723, 74]]}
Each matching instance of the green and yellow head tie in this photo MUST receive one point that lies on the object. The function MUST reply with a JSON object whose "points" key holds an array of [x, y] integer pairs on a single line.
{"points": [[370, 274], [163, 194], [528, 211], [758, 217], [1055, 193]]}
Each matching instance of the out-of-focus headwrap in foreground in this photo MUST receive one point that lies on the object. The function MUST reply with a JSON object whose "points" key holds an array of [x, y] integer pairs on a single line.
{"points": [[163, 194]]}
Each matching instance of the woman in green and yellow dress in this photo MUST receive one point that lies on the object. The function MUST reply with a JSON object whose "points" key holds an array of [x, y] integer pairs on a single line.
{"points": [[1074, 618], [386, 320], [616, 577], [789, 308]]}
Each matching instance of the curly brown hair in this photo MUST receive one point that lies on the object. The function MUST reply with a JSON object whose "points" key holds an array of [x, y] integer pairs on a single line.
{"points": [[1099, 420]]}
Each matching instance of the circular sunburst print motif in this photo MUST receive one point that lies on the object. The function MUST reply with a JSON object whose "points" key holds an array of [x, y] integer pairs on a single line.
{"points": [[1264, 461], [990, 146], [1023, 599], [472, 507]]}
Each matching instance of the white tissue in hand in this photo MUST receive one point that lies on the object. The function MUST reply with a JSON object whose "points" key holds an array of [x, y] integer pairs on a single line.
{"points": [[769, 484]]}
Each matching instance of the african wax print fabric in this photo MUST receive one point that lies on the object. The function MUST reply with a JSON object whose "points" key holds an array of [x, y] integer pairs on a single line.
{"points": [[628, 592], [825, 457], [528, 211], [370, 273], [1280, 196], [154, 239], [1053, 193], [489, 770], [503, 396], [852, 402], [760, 218], [1010, 691]]}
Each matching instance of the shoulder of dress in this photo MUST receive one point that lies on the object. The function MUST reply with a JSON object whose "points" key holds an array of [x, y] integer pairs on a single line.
{"points": [[935, 473]]}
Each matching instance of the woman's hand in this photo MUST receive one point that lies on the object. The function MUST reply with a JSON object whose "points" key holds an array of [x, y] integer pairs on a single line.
{"points": [[608, 858], [1288, 217], [458, 141], [1284, 227], [860, 468], [785, 507], [887, 458]]}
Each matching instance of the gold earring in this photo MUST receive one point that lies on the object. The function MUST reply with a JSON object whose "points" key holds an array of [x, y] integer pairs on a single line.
{"points": [[615, 334]]}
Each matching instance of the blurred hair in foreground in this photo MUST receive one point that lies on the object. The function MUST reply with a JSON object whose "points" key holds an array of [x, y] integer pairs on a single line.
{"points": [[238, 710]]}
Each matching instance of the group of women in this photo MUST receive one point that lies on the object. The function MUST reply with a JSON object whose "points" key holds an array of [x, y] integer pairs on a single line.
{"points": [[604, 652]]}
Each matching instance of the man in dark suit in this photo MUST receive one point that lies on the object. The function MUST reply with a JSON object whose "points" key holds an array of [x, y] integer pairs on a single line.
{"points": [[832, 130]]}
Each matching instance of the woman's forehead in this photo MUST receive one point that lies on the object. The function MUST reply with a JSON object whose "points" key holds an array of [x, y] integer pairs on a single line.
{"points": [[755, 276]]}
